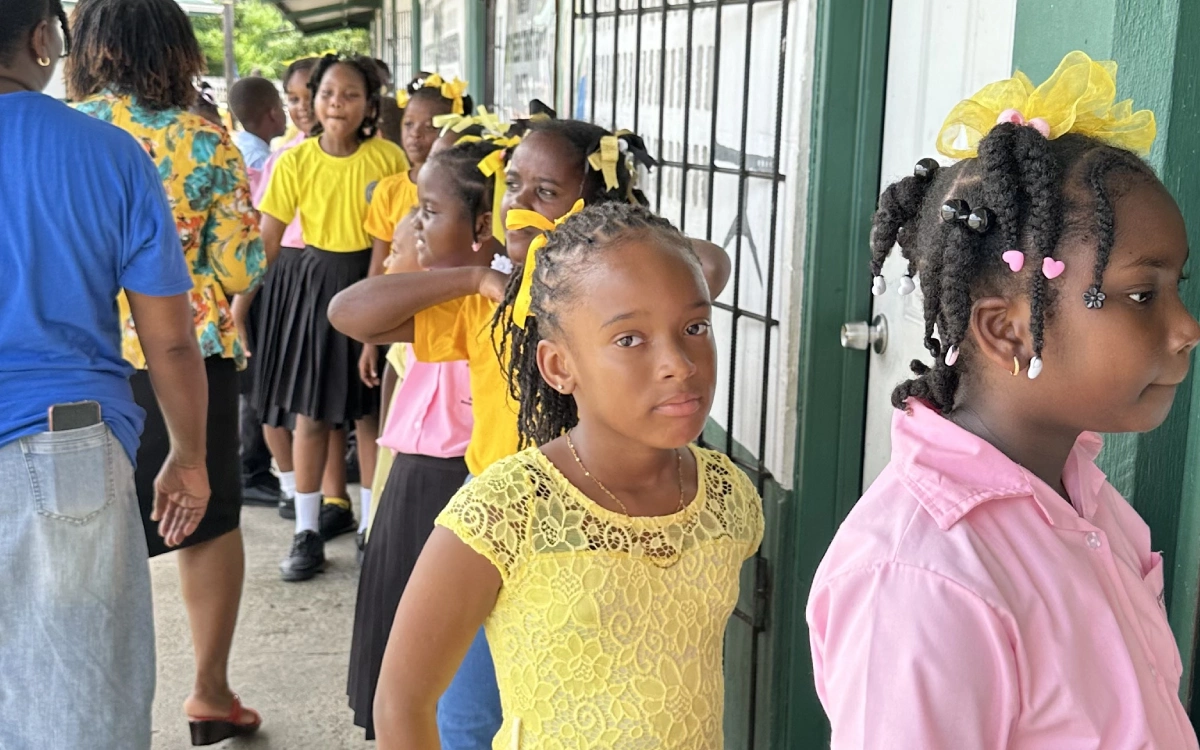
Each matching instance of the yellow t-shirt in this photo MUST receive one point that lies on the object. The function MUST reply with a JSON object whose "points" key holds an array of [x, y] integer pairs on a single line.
{"points": [[393, 198], [330, 192], [608, 630], [462, 329]]}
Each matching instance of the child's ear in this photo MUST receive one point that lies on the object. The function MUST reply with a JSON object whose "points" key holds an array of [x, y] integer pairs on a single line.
{"points": [[554, 362], [1000, 328], [483, 226]]}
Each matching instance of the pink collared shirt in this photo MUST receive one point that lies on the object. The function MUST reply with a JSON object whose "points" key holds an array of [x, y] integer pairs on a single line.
{"points": [[431, 411], [965, 605], [292, 236]]}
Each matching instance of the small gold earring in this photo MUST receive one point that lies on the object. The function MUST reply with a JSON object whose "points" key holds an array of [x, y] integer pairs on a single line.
{"points": [[44, 62], [1016, 367]]}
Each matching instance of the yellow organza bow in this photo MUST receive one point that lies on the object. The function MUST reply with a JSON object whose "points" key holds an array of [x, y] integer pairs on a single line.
{"points": [[1077, 98], [492, 166], [455, 122], [604, 159], [452, 90], [519, 218]]}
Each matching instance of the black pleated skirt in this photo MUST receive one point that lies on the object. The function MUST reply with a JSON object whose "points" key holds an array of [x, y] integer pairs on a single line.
{"points": [[270, 335], [316, 373], [224, 511], [417, 490]]}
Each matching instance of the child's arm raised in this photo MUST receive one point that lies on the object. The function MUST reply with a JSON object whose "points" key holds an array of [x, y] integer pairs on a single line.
{"points": [[715, 262], [450, 594], [380, 310]]}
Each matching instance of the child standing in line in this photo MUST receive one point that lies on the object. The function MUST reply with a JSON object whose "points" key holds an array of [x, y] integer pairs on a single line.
{"points": [[604, 561], [458, 313], [265, 311], [257, 106], [991, 589], [392, 199], [326, 179], [431, 419]]}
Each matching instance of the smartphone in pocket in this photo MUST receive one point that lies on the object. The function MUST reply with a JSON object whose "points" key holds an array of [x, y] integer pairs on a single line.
{"points": [[74, 416]]}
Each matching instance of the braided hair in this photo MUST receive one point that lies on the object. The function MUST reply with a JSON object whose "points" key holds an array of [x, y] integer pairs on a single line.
{"points": [[461, 163], [545, 413], [584, 139], [1024, 192], [21, 17], [370, 74], [140, 48]]}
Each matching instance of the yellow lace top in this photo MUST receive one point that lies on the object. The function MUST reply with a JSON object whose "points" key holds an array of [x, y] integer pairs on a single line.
{"points": [[608, 630]]}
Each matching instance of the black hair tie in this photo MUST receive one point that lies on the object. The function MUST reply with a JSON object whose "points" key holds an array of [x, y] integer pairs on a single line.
{"points": [[926, 168], [955, 210]]}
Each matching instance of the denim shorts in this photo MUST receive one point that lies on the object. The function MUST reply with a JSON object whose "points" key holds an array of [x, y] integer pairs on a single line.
{"points": [[76, 622]]}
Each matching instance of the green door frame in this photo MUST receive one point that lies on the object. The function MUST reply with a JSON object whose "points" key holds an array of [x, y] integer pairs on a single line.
{"points": [[849, 79]]}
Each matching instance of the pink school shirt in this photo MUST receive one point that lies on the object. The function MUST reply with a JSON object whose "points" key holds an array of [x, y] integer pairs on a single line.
{"points": [[964, 605], [292, 236], [431, 411]]}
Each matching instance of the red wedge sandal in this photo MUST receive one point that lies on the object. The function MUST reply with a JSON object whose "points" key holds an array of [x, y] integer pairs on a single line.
{"points": [[208, 730]]}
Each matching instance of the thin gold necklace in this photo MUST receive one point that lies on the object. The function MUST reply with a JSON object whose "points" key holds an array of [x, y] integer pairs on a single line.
{"points": [[615, 499]]}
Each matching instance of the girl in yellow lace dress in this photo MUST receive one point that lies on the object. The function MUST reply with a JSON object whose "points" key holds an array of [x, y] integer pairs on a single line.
{"points": [[604, 562]]}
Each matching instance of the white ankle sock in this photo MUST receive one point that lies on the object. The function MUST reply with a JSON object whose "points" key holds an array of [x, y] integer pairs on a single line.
{"points": [[364, 495], [287, 483], [308, 511]]}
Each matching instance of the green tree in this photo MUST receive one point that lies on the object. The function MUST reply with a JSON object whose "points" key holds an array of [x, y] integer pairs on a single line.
{"points": [[264, 39]]}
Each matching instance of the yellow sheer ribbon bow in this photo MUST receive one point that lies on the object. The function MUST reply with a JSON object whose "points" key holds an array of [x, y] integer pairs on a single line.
{"points": [[1077, 98], [456, 122], [519, 218], [452, 90], [604, 159], [492, 166]]}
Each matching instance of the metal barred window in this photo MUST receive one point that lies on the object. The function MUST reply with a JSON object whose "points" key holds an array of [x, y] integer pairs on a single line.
{"points": [[703, 82], [401, 48]]}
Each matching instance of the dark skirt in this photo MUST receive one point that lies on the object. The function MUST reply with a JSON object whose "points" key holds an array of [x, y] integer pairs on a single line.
{"points": [[317, 375], [224, 464], [417, 490], [270, 335]]}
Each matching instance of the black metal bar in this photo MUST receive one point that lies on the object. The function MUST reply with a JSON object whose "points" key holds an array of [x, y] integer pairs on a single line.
{"points": [[637, 72], [595, 54], [575, 5], [712, 101], [741, 218], [698, 5], [686, 119], [759, 174], [616, 65], [662, 103], [771, 322]]}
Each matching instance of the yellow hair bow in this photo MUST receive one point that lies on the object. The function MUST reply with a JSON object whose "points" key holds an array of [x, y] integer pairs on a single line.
{"points": [[604, 159], [452, 90], [492, 166], [315, 56], [455, 122], [519, 218], [1077, 98]]}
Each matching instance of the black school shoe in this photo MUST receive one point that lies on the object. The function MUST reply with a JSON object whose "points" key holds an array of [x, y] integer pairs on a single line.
{"points": [[287, 508], [336, 520], [261, 494], [307, 557]]}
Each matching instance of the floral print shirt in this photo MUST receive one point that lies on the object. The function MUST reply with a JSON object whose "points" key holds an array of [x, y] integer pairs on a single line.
{"points": [[205, 180]]}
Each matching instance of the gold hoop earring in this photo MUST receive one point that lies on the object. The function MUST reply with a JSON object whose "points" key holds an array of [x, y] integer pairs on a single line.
{"points": [[44, 62], [1016, 367]]}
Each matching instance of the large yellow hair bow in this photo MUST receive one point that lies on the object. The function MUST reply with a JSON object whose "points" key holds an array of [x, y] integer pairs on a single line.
{"points": [[452, 90], [604, 160], [1077, 98], [492, 166], [519, 218]]}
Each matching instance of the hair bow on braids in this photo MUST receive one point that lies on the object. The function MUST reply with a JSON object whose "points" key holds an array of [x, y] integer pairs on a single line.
{"points": [[1077, 98], [452, 90], [604, 160], [492, 166], [519, 218], [314, 56]]}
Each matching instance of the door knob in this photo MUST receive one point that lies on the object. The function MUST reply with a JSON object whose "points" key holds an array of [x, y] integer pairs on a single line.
{"points": [[862, 336]]}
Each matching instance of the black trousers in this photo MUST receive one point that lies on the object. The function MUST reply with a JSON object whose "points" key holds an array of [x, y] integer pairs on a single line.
{"points": [[256, 457]]}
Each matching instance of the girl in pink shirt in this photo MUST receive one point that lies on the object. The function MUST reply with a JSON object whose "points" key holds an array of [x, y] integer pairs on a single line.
{"points": [[991, 590], [430, 423]]}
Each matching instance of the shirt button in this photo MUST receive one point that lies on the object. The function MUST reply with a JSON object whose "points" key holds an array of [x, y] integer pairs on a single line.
{"points": [[1093, 540]]}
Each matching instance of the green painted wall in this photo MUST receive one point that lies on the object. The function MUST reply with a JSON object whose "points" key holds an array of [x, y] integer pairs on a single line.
{"points": [[1156, 44]]}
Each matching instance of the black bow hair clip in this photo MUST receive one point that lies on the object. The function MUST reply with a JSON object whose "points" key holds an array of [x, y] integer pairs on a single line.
{"points": [[637, 149], [979, 220]]}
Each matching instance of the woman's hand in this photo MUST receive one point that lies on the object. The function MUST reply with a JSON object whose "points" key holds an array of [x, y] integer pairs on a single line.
{"points": [[181, 495]]}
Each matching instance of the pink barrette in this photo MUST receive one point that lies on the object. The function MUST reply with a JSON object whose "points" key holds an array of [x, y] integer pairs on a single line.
{"points": [[1016, 118], [1015, 260]]}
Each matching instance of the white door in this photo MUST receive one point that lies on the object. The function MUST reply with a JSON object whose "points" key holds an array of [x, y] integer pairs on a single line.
{"points": [[941, 52]]}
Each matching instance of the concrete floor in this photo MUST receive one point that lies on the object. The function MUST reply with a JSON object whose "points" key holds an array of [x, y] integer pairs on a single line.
{"points": [[291, 650]]}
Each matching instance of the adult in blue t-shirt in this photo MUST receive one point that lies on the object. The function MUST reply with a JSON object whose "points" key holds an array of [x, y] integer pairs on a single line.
{"points": [[84, 215]]}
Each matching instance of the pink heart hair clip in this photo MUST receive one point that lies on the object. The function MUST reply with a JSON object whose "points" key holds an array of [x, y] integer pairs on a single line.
{"points": [[1016, 118], [1052, 268], [1015, 260]]}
